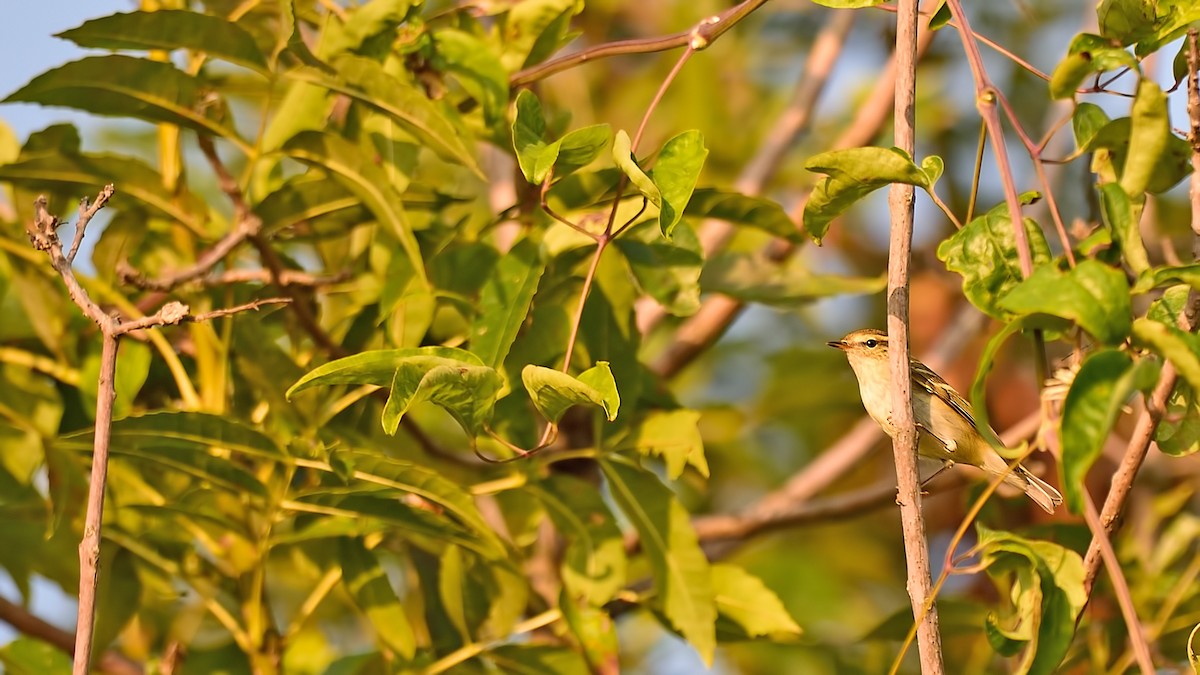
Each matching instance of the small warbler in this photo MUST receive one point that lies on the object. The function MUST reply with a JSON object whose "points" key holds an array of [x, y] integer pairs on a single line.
{"points": [[947, 430]]}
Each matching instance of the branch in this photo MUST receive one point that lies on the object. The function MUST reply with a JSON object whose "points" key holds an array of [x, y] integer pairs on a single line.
{"points": [[1137, 632], [904, 443], [713, 28], [24, 622]]}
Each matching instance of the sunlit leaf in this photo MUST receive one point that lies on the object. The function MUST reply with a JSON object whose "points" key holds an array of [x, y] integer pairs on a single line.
{"points": [[851, 175], [1111, 146], [30, 656], [1149, 132], [201, 430], [1087, 54], [377, 367], [476, 67], [744, 599], [537, 157], [368, 585], [1093, 295], [1149, 25], [1179, 347], [673, 436], [465, 390], [593, 566], [1086, 121], [553, 391], [682, 577], [505, 300], [1121, 217], [595, 631], [675, 173], [537, 659], [668, 270], [739, 209]]}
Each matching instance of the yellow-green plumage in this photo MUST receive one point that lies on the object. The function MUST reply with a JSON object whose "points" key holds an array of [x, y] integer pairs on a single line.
{"points": [[947, 429]]}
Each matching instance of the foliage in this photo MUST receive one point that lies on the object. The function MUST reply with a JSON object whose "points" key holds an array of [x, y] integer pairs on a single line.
{"points": [[457, 450]]}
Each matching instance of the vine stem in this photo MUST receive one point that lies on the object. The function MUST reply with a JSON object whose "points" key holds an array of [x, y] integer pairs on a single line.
{"points": [[904, 444]]}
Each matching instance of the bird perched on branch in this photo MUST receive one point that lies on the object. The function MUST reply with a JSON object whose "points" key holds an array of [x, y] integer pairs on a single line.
{"points": [[947, 429]]}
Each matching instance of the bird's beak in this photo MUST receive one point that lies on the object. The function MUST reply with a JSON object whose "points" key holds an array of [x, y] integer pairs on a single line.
{"points": [[837, 344]]}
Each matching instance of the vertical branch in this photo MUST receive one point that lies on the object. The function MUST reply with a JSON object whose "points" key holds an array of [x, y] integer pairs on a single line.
{"points": [[89, 545], [904, 445]]}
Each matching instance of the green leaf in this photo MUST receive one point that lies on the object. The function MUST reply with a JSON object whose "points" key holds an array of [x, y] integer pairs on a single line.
{"points": [[553, 391], [465, 390], [28, 656], [307, 197], [743, 598], [368, 509], [594, 563], [683, 580], [537, 659], [1179, 347], [852, 174], [368, 585], [1087, 54], [1045, 582], [476, 67], [1168, 275], [1148, 24], [124, 86], [365, 81], [377, 367], [984, 253], [505, 300], [1111, 145], [1121, 217], [1086, 122], [169, 29], [752, 277], [1098, 392], [672, 435], [534, 30], [366, 180], [1093, 295], [627, 163], [739, 209], [666, 269], [200, 430], [536, 157], [675, 173], [1149, 132], [595, 632], [1178, 434]]}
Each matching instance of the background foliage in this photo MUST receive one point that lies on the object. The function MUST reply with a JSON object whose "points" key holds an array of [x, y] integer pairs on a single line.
{"points": [[316, 488]]}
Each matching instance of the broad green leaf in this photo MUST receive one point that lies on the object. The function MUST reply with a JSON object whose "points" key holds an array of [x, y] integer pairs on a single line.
{"points": [[169, 29], [595, 632], [1093, 295], [744, 599], [1167, 308], [465, 390], [536, 157], [1121, 216], [673, 436], [1086, 121], [1045, 582], [368, 83], [682, 577], [667, 270], [627, 163], [934, 167], [190, 459], [505, 300], [738, 209], [84, 174], [1098, 392], [984, 253], [1178, 434], [1179, 347], [124, 86], [1167, 275], [1149, 132], [195, 429], [533, 30], [851, 175], [580, 147], [675, 173], [752, 277], [476, 68], [377, 367], [29, 656], [1087, 54], [1149, 25], [553, 391], [1111, 148], [593, 565], [537, 659], [307, 197], [363, 24], [358, 174], [368, 585]]}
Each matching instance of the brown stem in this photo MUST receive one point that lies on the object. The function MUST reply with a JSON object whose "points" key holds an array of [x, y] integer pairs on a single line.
{"points": [[24, 622], [89, 545], [904, 442]]}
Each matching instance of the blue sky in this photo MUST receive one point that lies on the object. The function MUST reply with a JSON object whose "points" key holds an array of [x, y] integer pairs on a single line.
{"points": [[28, 47]]}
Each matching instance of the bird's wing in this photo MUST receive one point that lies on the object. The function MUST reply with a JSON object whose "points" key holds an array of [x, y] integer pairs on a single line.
{"points": [[933, 383]]}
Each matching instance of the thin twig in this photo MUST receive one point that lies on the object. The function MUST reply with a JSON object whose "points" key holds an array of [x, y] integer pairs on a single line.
{"points": [[24, 622]]}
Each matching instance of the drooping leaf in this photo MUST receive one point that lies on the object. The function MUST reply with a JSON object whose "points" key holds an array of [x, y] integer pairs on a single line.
{"points": [[169, 29], [628, 164], [374, 596], [752, 277], [377, 367], [1149, 132], [676, 172], [1093, 295], [1179, 347], [673, 436], [682, 577], [739, 209], [743, 599], [1087, 54], [593, 566], [666, 269], [851, 175], [553, 391], [1098, 392], [358, 174], [1087, 121], [984, 253], [505, 300], [124, 86], [1111, 146], [365, 81], [1121, 217], [307, 197], [465, 390]]}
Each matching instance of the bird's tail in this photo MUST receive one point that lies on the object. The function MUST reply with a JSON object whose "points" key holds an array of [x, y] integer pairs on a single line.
{"points": [[1041, 492]]}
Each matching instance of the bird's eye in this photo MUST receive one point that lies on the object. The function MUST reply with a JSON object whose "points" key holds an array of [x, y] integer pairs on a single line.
{"points": [[872, 343]]}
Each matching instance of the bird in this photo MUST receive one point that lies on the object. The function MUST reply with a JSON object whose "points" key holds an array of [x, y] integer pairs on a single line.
{"points": [[947, 430]]}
